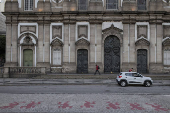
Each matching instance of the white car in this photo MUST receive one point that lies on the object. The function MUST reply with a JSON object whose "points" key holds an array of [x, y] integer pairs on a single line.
{"points": [[125, 78]]}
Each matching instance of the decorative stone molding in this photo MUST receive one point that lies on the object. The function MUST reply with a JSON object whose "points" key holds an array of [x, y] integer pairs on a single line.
{"points": [[27, 29], [59, 36], [28, 35], [166, 41], [57, 31], [142, 36], [113, 31], [142, 41], [57, 42], [142, 30], [82, 31], [82, 42], [27, 41]]}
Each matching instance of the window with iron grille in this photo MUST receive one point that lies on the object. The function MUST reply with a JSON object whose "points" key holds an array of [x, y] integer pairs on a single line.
{"points": [[28, 5], [111, 4], [141, 4], [82, 4]]}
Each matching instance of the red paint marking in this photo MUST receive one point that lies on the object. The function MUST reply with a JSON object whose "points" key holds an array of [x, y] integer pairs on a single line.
{"points": [[114, 106], [136, 106], [30, 105], [65, 105], [11, 105], [158, 107], [88, 104]]}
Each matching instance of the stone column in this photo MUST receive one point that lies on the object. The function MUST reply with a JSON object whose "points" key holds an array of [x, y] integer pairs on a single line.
{"points": [[93, 46], [46, 51], [40, 43], [159, 42], [8, 42], [47, 43], [152, 44], [8, 49], [125, 52], [72, 43], [157, 66], [99, 46], [72, 48], [66, 44], [132, 50], [14, 43]]}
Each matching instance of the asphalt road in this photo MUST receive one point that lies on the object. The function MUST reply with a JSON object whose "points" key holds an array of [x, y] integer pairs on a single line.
{"points": [[84, 89]]}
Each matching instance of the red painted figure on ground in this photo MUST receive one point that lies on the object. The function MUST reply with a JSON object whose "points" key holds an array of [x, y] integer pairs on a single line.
{"points": [[88, 104], [30, 105], [135, 106], [158, 107], [114, 106], [11, 105], [65, 105]]}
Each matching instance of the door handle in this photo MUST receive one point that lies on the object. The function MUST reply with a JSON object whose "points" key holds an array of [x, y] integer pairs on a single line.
{"points": [[134, 78]]}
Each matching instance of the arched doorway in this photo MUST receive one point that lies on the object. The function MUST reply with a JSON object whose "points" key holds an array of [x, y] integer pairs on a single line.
{"points": [[28, 57], [111, 54], [142, 61], [82, 61]]}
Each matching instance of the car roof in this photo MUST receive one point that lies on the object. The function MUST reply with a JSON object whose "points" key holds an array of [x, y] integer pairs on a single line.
{"points": [[128, 72]]}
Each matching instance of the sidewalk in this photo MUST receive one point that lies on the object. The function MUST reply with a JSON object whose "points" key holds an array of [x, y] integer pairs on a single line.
{"points": [[23, 81], [102, 76]]}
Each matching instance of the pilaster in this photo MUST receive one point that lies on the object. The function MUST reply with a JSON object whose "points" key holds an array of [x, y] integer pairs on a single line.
{"points": [[66, 44]]}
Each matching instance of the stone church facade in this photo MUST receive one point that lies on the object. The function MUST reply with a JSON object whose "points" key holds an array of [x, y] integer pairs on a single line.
{"points": [[78, 34]]}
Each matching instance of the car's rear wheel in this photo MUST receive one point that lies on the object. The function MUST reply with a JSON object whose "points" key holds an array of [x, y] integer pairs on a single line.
{"points": [[123, 83], [147, 84]]}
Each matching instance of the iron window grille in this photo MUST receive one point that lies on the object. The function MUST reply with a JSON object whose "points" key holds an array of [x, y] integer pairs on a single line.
{"points": [[141, 4], [82, 5], [28, 5], [112, 4]]}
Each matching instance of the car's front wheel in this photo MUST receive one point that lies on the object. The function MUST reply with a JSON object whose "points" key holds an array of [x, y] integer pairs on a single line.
{"points": [[123, 83], [147, 84]]}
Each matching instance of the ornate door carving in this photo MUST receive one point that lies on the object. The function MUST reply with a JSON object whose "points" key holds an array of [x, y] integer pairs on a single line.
{"points": [[82, 61], [112, 54], [142, 61]]}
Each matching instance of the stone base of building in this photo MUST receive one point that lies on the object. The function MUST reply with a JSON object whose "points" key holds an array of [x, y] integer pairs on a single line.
{"points": [[6, 68], [44, 64], [127, 66], [69, 68], [156, 68]]}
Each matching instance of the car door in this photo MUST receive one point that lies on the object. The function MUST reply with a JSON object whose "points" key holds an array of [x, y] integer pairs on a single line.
{"points": [[137, 78], [129, 77]]}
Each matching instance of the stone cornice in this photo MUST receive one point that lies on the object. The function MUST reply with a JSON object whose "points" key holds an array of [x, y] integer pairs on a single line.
{"points": [[94, 17]]}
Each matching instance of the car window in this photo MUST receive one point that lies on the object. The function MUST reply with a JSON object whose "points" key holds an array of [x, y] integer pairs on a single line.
{"points": [[129, 74], [136, 75]]}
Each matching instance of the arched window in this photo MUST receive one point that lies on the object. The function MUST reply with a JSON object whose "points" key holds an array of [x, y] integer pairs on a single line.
{"points": [[141, 4], [167, 57], [111, 4], [82, 4], [28, 5]]}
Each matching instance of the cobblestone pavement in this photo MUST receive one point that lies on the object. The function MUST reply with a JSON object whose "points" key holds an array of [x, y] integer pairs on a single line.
{"points": [[85, 103]]}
